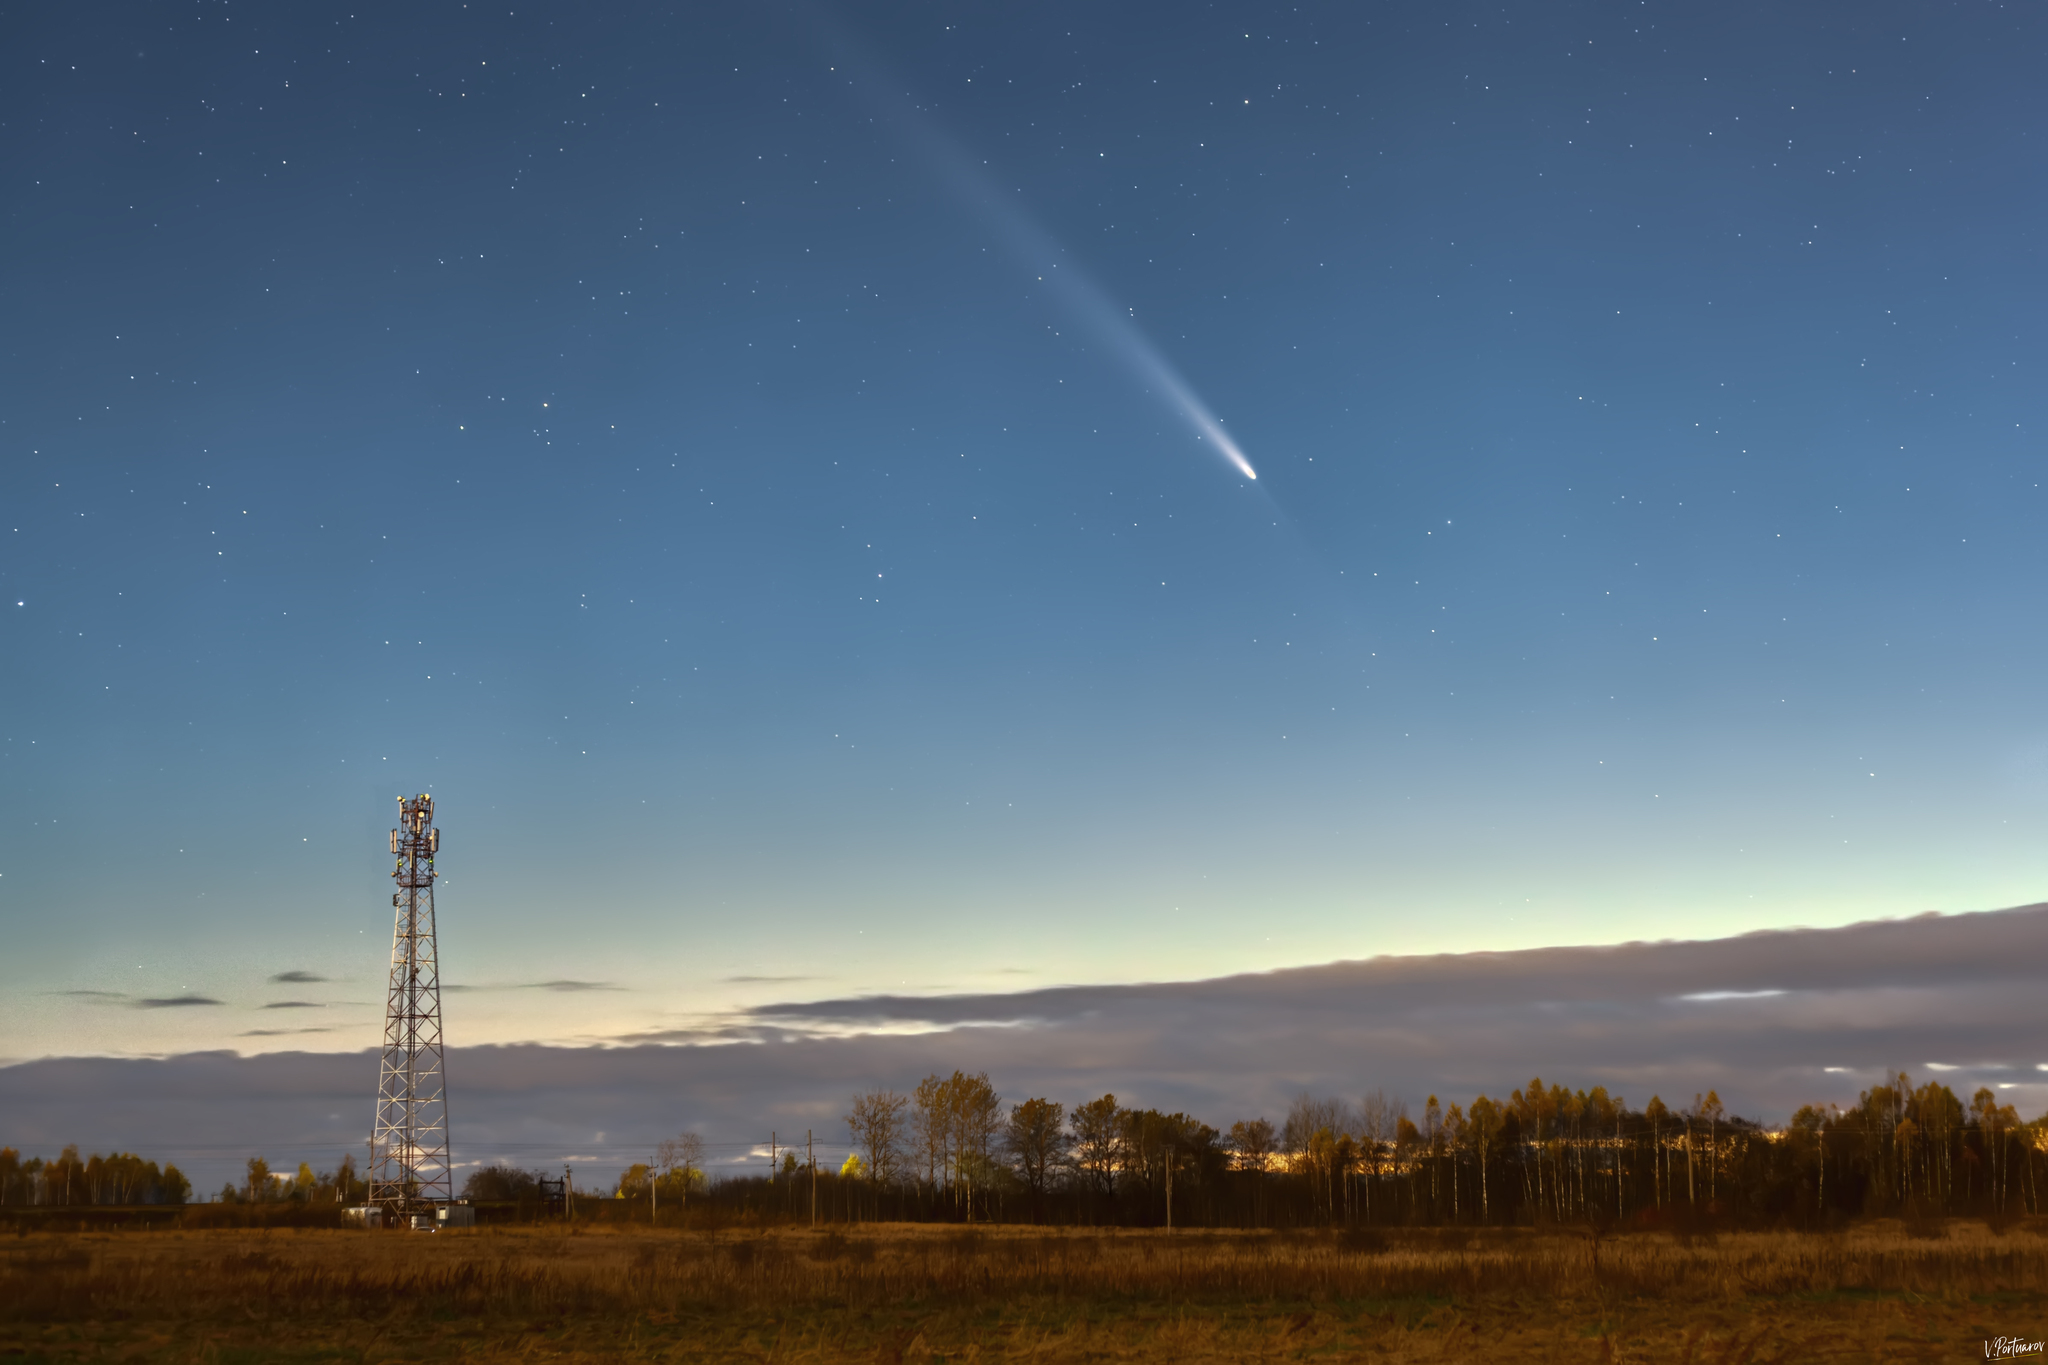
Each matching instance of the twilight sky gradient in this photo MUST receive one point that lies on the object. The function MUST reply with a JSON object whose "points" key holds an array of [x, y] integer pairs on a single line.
{"points": [[1770, 1021], [729, 454]]}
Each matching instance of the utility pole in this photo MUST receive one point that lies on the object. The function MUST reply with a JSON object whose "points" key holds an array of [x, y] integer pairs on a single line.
{"points": [[771, 1161], [1169, 1187], [654, 1191], [568, 1197], [812, 1161]]}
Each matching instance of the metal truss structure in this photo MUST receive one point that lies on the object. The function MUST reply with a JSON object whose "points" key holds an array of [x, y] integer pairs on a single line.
{"points": [[409, 1171]]}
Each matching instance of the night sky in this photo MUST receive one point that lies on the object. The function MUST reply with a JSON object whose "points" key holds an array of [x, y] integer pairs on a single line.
{"points": [[764, 470]]}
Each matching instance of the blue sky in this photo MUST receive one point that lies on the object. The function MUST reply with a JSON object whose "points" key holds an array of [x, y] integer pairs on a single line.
{"points": [[658, 436]]}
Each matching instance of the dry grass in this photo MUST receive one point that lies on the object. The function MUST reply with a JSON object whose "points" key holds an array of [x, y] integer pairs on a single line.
{"points": [[899, 1293]]}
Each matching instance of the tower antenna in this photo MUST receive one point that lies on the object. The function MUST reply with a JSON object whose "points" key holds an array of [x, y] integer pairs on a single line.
{"points": [[409, 1171]]}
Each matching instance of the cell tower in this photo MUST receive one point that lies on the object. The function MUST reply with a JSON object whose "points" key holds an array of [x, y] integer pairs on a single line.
{"points": [[409, 1148]]}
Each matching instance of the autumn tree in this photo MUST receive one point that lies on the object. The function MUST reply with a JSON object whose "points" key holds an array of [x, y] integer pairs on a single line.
{"points": [[1599, 1114], [955, 1124], [1036, 1140], [1407, 1143], [1805, 1137], [1433, 1144], [636, 1180], [1536, 1113], [1310, 1114], [501, 1184], [1378, 1116], [931, 1129], [1457, 1133], [1940, 1115], [1995, 1125], [1483, 1124], [259, 1186], [1098, 1146], [1252, 1144], [345, 1180], [1880, 1111], [64, 1179], [1711, 1112], [1568, 1109], [977, 1124], [1657, 1115], [875, 1121], [1317, 1138], [680, 1160]]}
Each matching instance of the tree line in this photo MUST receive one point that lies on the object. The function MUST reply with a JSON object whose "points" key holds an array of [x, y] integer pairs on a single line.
{"points": [[118, 1178], [951, 1149], [122, 1178], [261, 1185]]}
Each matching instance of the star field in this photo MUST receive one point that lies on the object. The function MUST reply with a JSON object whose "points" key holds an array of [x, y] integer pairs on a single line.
{"points": [[680, 439]]}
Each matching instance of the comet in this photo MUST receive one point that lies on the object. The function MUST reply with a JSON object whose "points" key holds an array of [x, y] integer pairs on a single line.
{"points": [[1115, 328], [1121, 336]]}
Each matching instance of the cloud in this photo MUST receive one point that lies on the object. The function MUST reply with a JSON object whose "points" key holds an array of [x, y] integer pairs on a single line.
{"points": [[773, 980], [297, 978], [96, 995], [172, 1002], [1761, 1017], [280, 1032], [294, 1005], [561, 985], [1850, 1003]]}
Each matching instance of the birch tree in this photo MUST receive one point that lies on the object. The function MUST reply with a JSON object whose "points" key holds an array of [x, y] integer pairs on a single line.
{"points": [[875, 1122]]}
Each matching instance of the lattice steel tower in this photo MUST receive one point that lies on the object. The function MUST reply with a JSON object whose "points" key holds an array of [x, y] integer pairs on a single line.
{"points": [[409, 1149]]}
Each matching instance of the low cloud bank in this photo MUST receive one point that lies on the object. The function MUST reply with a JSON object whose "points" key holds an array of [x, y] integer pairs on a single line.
{"points": [[1771, 1020]]}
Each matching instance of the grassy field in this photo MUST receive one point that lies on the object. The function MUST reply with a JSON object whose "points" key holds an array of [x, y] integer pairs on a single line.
{"points": [[901, 1293]]}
